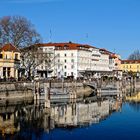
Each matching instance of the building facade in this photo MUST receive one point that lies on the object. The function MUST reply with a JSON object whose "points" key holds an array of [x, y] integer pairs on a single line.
{"points": [[9, 61], [130, 66], [76, 60]]}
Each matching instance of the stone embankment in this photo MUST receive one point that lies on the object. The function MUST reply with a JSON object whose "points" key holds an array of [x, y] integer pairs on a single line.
{"points": [[15, 91], [25, 90]]}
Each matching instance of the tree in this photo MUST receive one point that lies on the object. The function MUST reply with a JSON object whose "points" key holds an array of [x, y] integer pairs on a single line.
{"points": [[18, 31], [135, 55], [33, 58]]}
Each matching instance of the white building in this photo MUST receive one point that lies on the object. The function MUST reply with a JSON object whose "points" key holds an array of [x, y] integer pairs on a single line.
{"points": [[80, 113], [104, 61], [46, 69], [71, 59], [68, 59]]}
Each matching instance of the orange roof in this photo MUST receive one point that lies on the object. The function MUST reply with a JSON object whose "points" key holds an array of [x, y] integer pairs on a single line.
{"points": [[9, 47], [130, 61], [65, 46]]}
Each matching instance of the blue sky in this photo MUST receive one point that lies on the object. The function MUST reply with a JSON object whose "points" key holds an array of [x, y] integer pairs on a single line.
{"points": [[110, 24]]}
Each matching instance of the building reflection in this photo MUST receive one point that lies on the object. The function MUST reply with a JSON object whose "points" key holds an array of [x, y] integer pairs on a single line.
{"points": [[7, 120], [19, 119], [134, 101], [80, 114], [133, 98]]}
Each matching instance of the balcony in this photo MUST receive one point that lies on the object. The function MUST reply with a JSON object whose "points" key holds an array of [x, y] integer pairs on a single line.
{"points": [[3, 60]]}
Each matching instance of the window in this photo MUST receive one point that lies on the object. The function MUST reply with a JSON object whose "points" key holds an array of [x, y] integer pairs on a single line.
{"points": [[4, 117], [16, 56], [58, 55], [46, 61], [9, 116], [65, 74], [65, 67], [65, 60], [72, 66], [72, 60], [58, 60], [8, 72], [65, 47], [65, 55], [71, 73], [71, 54], [4, 72], [1, 56]]}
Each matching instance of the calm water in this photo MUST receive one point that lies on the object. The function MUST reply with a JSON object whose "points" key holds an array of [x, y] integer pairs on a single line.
{"points": [[104, 119]]}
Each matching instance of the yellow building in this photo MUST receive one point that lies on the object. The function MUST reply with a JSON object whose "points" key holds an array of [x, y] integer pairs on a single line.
{"points": [[9, 61], [130, 65]]}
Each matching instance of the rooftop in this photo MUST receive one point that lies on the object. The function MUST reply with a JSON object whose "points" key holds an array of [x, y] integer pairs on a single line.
{"points": [[9, 47], [130, 61], [66, 46]]}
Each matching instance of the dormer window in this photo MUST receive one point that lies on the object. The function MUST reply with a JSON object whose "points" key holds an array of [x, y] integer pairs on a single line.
{"points": [[65, 47]]}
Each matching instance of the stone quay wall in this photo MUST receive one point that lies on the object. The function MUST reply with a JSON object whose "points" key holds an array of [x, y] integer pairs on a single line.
{"points": [[16, 91]]}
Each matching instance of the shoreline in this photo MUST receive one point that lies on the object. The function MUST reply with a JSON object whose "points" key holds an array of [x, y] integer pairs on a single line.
{"points": [[26, 90]]}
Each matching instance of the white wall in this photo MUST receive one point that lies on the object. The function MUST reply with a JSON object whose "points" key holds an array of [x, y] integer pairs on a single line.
{"points": [[104, 62], [66, 63]]}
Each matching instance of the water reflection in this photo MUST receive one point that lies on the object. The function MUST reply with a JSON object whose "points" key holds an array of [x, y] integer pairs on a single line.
{"points": [[30, 121], [80, 114], [20, 119], [134, 97], [134, 101]]}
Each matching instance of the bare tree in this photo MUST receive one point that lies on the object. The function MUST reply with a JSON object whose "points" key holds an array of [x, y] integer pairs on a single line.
{"points": [[32, 57], [18, 31], [135, 55]]}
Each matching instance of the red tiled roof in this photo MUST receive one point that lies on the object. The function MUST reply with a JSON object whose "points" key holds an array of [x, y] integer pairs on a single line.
{"points": [[130, 61], [9, 47], [67, 46], [72, 46]]}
